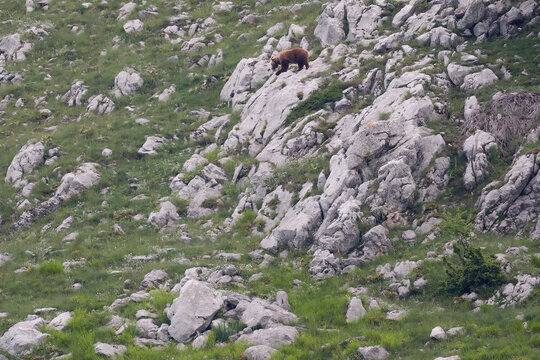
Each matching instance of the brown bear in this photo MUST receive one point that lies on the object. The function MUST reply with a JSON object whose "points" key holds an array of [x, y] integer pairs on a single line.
{"points": [[284, 58]]}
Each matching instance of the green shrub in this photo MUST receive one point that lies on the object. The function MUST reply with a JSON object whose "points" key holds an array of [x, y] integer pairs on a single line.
{"points": [[316, 101], [456, 223], [51, 268], [469, 270]]}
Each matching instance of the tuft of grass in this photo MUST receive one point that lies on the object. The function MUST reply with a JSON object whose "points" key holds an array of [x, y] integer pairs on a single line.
{"points": [[51, 268], [327, 93]]}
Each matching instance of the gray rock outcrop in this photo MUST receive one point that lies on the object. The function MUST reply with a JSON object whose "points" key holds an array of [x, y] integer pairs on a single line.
{"points": [[72, 184], [29, 156], [23, 336], [127, 83], [166, 215], [476, 148], [150, 146], [75, 94], [193, 310], [100, 104]]}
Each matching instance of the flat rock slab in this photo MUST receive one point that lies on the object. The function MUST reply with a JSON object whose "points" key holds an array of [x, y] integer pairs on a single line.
{"points": [[274, 337]]}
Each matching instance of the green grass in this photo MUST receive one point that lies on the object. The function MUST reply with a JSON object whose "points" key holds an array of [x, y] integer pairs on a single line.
{"points": [[106, 272]]}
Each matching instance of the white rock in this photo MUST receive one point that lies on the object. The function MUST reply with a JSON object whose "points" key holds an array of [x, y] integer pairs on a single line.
{"points": [[193, 310], [108, 350], [133, 26], [437, 333], [29, 156], [355, 311], [23, 336]]}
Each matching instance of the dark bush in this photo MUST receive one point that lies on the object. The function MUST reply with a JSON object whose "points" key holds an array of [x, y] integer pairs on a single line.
{"points": [[469, 270]]}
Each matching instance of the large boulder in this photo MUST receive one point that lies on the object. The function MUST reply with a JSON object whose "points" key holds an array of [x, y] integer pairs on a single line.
{"points": [[329, 28], [166, 215], [259, 352], [23, 336], [479, 80], [355, 311], [261, 313], [13, 48], [29, 156], [193, 310], [127, 83], [474, 13], [296, 229], [373, 352], [150, 145]]}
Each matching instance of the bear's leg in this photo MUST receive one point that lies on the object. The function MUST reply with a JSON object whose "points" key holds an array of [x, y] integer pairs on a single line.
{"points": [[284, 68], [300, 66]]}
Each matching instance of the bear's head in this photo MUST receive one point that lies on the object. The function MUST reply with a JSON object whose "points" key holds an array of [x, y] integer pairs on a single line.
{"points": [[275, 62]]}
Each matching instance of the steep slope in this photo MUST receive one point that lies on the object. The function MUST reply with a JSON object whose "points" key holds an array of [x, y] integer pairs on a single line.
{"points": [[166, 195]]}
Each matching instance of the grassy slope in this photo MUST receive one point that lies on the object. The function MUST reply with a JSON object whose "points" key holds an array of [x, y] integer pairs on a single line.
{"points": [[491, 333]]}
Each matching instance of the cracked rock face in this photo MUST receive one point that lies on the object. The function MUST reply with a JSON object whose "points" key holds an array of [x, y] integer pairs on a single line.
{"points": [[476, 149], [268, 108], [100, 104], [249, 73], [514, 204], [29, 156]]}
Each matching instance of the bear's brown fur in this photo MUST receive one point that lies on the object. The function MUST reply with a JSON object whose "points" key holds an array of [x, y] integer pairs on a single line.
{"points": [[286, 57]]}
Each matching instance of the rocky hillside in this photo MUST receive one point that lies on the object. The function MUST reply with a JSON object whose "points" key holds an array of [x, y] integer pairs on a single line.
{"points": [[166, 196]]}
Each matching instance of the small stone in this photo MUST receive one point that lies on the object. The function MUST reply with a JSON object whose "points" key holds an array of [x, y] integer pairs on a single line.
{"points": [[106, 152]]}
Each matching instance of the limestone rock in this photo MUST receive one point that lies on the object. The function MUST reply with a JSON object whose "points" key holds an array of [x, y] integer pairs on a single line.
{"points": [[108, 350], [29, 156], [133, 26], [166, 215], [125, 10], [23, 336], [373, 352], [154, 279], [12, 48], [295, 230], [59, 322], [437, 333], [75, 94], [479, 80], [274, 337], [193, 310], [100, 104], [457, 73], [248, 74], [476, 148], [514, 204], [126, 83], [259, 352], [355, 311], [267, 109], [150, 145]]}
